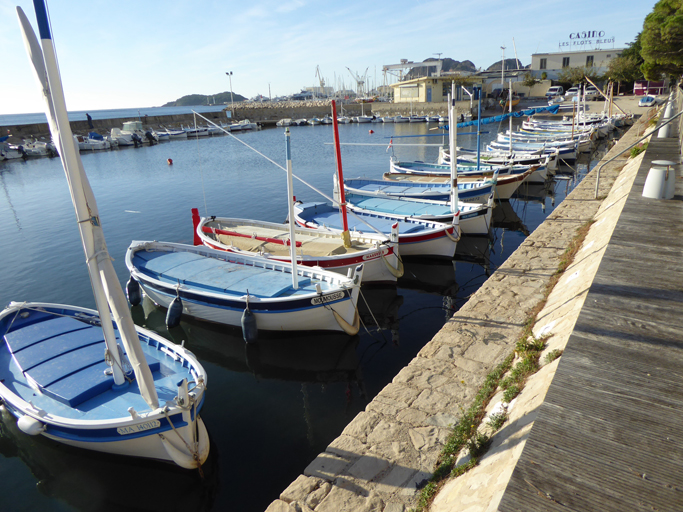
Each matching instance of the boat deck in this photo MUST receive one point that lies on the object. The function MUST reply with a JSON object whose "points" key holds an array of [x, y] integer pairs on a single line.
{"points": [[57, 362], [219, 276], [273, 240], [408, 208], [412, 188], [609, 435], [327, 216]]}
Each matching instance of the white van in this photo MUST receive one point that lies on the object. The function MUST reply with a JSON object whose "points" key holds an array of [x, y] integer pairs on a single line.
{"points": [[554, 91]]}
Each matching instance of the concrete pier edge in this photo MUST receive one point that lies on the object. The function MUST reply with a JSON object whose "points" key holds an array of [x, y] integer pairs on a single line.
{"points": [[389, 451]]}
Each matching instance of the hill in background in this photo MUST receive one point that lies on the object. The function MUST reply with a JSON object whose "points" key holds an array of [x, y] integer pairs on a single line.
{"points": [[510, 64], [446, 65], [201, 99]]}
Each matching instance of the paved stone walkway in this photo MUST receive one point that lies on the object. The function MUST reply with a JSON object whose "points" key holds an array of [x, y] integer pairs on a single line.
{"points": [[388, 452]]}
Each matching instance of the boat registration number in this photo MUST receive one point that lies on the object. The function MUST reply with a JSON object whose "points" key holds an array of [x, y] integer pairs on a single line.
{"points": [[327, 298], [375, 255], [134, 429]]}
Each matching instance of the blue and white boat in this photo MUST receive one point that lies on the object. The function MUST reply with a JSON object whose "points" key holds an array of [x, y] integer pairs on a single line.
{"points": [[472, 191], [92, 379], [474, 219], [565, 150], [505, 185], [57, 377], [416, 237], [499, 157], [219, 286], [469, 169]]}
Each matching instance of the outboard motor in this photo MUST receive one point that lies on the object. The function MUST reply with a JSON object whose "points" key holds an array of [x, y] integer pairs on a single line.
{"points": [[150, 138], [137, 141]]}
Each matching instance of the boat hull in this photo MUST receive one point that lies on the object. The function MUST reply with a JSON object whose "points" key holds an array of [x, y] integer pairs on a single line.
{"points": [[313, 311]]}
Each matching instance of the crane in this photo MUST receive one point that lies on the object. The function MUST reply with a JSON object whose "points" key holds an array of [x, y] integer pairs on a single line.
{"points": [[360, 82], [321, 79]]}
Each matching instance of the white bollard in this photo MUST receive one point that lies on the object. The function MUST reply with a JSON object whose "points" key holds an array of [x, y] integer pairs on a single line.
{"points": [[661, 180], [663, 132]]}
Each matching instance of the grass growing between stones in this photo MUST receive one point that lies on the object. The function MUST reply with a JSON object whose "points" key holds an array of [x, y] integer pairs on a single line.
{"points": [[511, 379]]}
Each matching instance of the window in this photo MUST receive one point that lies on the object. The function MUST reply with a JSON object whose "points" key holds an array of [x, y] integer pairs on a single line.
{"points": [[408, 91], [589, 61], [565, 62], [543, 64]]}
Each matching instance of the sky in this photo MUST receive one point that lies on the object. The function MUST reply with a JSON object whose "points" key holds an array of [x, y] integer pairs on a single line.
{"points": [[134, 54]]}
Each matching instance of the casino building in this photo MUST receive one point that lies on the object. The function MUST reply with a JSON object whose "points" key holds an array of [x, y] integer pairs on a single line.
{"points": [[579, 50]]}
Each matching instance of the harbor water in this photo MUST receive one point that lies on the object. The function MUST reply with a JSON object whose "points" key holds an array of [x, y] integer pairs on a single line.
{"points": [[270, 408]]}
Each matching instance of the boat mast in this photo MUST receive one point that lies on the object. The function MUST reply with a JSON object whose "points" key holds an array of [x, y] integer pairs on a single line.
{"points": [[290, 208], [346, 236], [452, 140], [510, 118], [106, 287]]}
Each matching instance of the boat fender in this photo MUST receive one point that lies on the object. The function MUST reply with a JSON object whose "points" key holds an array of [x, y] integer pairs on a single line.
{"points": [[175, 311], [31, 426], [133, 292], [249, 328]]}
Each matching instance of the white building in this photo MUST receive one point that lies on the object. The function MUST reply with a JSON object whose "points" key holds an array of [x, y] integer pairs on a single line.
{"points": [[553, 63]]}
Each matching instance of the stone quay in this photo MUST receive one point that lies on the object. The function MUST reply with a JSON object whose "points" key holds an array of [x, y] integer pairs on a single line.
{"points": [[388, 452]]}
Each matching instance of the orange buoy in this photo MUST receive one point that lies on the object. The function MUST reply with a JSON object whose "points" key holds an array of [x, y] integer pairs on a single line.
{"points": [[170, 161], [371, 131]]}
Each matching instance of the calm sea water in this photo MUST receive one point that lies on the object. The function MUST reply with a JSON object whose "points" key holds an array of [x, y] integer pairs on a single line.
{"points": [[269, 409], [79, 115]]}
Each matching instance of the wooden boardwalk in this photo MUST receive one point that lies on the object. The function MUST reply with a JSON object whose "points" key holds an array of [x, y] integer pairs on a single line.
{"points": [[609, 435]]}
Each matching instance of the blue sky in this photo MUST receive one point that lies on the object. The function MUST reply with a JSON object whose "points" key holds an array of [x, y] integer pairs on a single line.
{"points": [[129, 54]]}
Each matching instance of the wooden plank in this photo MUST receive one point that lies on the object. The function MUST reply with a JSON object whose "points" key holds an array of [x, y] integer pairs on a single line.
{"points": [[609, 435]]}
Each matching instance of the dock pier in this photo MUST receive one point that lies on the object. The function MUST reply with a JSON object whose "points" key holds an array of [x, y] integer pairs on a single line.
{"points": [[595, 429]]}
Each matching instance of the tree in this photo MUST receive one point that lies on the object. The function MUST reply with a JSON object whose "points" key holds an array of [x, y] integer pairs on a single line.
{"points": [[575, 76], [662, 40], [624, 69], [530, 80]]}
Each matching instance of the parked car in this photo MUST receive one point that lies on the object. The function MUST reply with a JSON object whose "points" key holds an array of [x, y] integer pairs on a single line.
{"points": [[592, 93], [572, 91], [554, 91], [647, 101]]}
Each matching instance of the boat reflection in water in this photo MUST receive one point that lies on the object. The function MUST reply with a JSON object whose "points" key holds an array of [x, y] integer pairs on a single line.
{"points": [[536, 192], [302, 357], [506, 218], [90, 481]]}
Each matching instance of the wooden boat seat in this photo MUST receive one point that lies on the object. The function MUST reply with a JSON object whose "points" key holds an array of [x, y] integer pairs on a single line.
{"points": [[315, 247], [63, 357]]}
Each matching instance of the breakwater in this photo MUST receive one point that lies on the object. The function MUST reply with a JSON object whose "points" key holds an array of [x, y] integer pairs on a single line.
{"points": [[388, 452], [266, 114], [104, 126]]}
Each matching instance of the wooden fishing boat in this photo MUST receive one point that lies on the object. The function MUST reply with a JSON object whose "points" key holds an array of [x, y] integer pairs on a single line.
{"points": [[476, 191], [219, 286], [92, 379], [416, 237], [314, 248], [505, 185]]}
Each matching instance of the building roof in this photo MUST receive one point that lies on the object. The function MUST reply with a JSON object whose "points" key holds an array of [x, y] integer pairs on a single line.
{"points": [[583, 50]]}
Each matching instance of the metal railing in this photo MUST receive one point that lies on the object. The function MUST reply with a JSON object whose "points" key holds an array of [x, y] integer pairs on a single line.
{"points": [[664, 123]]}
